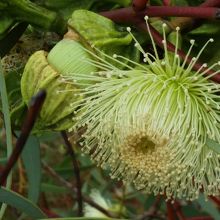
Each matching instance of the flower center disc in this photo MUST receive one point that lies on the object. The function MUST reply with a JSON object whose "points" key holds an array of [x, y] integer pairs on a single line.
{"points": [[145, 144]]}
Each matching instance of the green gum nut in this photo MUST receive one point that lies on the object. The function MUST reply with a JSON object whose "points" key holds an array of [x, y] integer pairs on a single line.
{"points": [[46, 71]]}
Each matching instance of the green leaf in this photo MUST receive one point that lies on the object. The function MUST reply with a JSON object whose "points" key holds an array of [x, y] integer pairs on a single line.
{"points": [[17, 107], [47, 187], [208, 207], [7, 121], [207, 28], [75, 5], [67, 7], [19, 202], [32, 163], [18, 114], [179, 2], [104, 34], [213, 145]]}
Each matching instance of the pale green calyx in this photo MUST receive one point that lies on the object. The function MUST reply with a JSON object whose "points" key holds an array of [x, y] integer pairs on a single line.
{"points": [[150, 125]]}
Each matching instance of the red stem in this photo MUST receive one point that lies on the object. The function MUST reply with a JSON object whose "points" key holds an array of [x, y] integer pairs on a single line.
{"points": [[216, 200], [178, 211], [139, 5], [121, 15], [76, 171], [170, 211], [177, 11], [33, 111], [128, 14]]}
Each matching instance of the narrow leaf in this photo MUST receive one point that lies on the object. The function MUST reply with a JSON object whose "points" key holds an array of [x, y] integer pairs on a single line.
{"points": [[19, 202], [208, 207], [31, 159], [7, 122]]}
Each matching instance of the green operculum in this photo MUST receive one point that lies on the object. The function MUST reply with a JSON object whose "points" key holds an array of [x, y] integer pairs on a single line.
{"points": [[69, 57], [149, 125], [46, 71]]}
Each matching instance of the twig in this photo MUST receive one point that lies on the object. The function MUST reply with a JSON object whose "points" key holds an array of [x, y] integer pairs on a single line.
{"points": [[76, 171], [178, 210], [170, 211], [179, 11], [189, 23], [69, 186], [33, 111], [152, 212], [127, 14]]}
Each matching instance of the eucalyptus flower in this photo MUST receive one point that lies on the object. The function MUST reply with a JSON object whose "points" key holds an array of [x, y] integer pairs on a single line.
{"points": [[149, 124]]}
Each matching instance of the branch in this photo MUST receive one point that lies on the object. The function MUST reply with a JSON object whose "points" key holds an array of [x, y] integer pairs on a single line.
{"points": [[76, 171], [178, 210], [188, 23], [179, 11], [129, 15], [152, 211], [170, 211], [69, 186], [33, 111]]}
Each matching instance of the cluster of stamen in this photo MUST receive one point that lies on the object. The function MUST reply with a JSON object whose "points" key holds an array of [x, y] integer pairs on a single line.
{"points": [[150, 124]]}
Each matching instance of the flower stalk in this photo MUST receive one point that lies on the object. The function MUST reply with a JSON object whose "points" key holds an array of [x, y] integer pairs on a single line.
{"points": [[128, 14]]}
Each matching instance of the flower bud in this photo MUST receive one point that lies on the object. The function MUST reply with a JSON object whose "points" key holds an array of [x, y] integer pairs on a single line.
{"points": [[46, 71]]}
